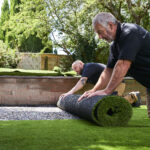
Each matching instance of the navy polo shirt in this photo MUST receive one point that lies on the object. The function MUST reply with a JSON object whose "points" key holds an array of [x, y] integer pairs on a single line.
{"points": [[92, 71], [132, 43]]}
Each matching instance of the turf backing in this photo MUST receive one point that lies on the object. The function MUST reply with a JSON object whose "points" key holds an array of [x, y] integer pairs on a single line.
{"points": [[104, 110], [76, 134]]}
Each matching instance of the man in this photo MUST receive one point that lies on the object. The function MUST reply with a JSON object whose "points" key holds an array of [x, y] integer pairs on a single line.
{"points": [[90, 72], [129, 52]]}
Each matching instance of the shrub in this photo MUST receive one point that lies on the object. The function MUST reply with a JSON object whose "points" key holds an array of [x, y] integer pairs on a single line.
{"points": [[9, 58], [102, 52], [65, 63]]}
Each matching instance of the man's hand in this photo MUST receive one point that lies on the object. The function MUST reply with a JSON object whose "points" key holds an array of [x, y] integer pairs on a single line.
{"points": [[62, 96], [86, 94], [92, 93]]}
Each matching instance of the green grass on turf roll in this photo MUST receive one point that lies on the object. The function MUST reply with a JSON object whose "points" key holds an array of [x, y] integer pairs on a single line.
{"points": [[104, 110]]}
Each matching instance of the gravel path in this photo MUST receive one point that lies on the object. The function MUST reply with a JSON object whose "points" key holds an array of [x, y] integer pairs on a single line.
{"points": [[34, 113]]}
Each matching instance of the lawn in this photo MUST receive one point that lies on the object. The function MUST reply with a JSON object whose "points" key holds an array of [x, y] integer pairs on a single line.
{"points": [[76, 134]]}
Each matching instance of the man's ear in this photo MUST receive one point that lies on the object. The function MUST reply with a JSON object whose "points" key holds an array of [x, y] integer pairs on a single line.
{"points": [[111, 25]]}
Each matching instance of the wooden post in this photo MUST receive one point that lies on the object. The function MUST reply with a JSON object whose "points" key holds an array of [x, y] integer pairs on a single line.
{"points": [[46, 63]]}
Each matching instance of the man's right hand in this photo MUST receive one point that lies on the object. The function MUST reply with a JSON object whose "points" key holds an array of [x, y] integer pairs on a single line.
{"points": [[62, 96], [86, 94]]}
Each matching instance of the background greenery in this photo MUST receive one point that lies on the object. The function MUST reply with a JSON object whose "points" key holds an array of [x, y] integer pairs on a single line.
{"points": [[48, 25], [26, 29], [76, 134], [9, 58]]}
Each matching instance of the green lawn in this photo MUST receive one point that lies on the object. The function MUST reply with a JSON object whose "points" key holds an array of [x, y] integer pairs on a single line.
{"points": [[76, 135]]}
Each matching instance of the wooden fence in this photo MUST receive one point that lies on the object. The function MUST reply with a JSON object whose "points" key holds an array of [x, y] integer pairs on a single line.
{"points": [[36, 61]]}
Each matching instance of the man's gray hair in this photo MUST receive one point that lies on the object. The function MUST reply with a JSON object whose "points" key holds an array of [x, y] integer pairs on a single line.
{"points": [[103, 18]]}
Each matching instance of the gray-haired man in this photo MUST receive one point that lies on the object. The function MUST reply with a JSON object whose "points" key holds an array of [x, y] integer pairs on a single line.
{"points": [[129, 52]]}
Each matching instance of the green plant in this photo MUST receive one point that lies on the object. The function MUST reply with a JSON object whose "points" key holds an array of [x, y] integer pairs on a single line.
{"points": [[65, 63], [9, 58], [57, 69], [27, 27], [72, 21], [4, 17], [102, 52]]}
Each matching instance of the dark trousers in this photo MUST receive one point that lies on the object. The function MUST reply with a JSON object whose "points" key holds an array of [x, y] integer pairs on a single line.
{"points": [[148, 102]]}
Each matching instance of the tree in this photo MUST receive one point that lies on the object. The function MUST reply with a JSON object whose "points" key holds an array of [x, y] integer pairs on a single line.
{"points": [[72, 21], [14, 6], [28, 29], [4, 17], [135, 11], [5, 11]]}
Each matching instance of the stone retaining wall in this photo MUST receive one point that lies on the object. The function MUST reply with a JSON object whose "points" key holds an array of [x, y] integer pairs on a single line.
{"points": [[17, 90], [31, 90]]}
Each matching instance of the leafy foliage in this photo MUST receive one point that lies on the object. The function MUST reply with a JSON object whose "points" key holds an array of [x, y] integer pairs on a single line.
{"points": [[65, 63], [68, 23], [4, 17], [27, 29], [72, 21], [14, 6], [9, 58], [135, 11], [5, 11]]}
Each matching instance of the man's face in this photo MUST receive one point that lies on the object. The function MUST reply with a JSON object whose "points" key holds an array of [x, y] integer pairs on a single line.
{"points": [[103, 33], [77, 68]]}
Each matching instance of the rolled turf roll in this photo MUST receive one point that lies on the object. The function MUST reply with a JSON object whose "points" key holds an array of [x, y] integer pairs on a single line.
{"points": [[104, 110]]}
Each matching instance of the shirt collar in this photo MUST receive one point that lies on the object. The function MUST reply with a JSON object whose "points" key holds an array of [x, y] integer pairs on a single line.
{"points": [[82, 69], [118, 32]]}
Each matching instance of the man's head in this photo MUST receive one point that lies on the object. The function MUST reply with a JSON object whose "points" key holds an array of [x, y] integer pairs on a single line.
{"points": [[77, 66], [105, 25]]}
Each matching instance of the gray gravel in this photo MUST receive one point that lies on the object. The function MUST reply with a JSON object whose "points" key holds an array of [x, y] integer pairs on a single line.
{"points": [[34, 113]]}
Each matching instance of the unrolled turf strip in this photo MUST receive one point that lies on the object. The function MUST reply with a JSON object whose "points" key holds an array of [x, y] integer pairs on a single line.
{"points": [[104, 110]]}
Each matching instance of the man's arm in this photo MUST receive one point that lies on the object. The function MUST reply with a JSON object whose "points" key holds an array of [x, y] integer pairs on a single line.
{"points": [[109, 79], [101, 83], [80, 84], [103, 79], [119, 71]]}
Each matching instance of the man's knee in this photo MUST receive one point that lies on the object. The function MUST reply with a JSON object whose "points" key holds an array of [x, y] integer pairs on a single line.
{"points": [[121, 88]]}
